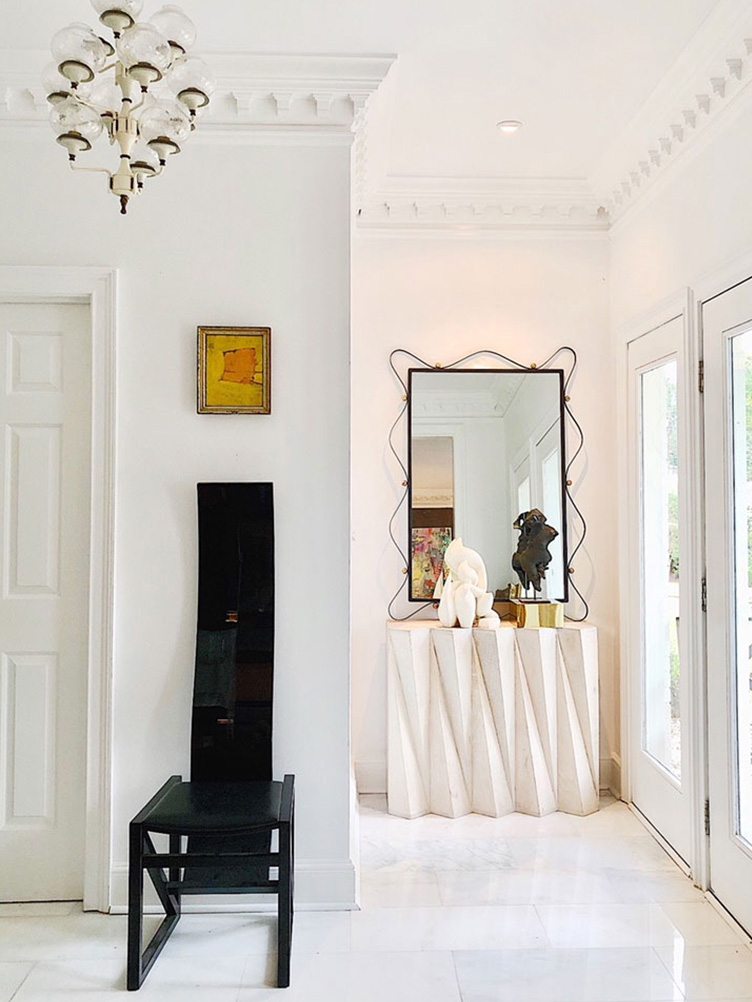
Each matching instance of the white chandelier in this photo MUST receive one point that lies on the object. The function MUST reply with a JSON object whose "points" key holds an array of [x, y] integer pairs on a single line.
{"points": [[143, 91]]}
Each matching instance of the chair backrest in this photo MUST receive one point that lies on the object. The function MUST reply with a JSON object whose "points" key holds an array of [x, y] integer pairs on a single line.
{"points": [[234, 669]]}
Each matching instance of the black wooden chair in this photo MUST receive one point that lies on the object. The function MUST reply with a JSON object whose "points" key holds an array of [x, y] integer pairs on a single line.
{"points": [[225, 825]]}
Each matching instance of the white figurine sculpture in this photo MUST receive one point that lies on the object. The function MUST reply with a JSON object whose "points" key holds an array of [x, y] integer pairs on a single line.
{"points": [[462, 589]]}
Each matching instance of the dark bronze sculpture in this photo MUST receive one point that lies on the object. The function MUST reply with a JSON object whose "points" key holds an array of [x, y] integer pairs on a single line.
{"points": [[532, 556]]}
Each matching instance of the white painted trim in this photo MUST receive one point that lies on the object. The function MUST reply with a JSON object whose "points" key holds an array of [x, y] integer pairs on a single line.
{"points": [[710, 76], [721, 279], [97, 287], [681, 304], [729, 919], [660, 314], [432, 202], [666, 846], [295, 92], [610, 776], [320, 885]]}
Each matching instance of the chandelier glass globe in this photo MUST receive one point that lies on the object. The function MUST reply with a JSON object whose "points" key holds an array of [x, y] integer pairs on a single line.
{"points": [[92, 88], [56, 86], [176, 27], [117, 14], [79, 52], [192, 81], [144, 160], [164, 126], [144, 52], [71, 118], [105, 95]]}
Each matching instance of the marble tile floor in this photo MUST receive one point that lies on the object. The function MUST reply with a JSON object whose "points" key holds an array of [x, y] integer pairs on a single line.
{"points": [[519, 909]]}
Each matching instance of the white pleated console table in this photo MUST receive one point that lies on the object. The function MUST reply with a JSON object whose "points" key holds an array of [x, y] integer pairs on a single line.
{"points": [[491, 721]]}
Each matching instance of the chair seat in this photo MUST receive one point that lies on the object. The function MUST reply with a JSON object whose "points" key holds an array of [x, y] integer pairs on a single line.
{"points": [[216, 807]]}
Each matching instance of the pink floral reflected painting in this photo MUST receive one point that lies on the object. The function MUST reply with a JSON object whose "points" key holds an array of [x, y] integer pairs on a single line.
{"points": [[428, 548]]}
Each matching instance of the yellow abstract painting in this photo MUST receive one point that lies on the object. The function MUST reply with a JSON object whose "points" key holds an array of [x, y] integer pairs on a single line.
{"points": [[234, 370]]}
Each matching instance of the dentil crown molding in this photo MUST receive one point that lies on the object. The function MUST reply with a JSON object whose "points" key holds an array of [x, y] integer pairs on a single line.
{"points": [[711, 75], [426, 203], [299, 94]]}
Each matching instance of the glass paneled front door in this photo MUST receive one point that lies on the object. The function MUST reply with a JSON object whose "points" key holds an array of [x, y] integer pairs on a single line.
{"points": [[658, 687], [727, 326]]}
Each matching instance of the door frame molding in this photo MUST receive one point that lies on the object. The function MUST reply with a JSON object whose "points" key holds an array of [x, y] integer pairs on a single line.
{"points": [[97, 289], [680, 305]]}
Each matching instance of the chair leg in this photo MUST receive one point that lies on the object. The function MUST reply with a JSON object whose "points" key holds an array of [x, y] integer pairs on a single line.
{"points": [[174, 874], [284, 907], [135, 906], [140, 963]]}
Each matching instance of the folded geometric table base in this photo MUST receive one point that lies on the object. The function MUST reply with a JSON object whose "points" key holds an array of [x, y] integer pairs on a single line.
{"points": [[491, 721]]}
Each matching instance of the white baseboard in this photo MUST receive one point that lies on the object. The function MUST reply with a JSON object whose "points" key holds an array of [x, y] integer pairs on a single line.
{"points": [[611, 775], [370, 777], [320, 885]]}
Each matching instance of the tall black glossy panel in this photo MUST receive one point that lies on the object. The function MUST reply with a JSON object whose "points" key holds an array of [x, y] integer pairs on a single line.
{"points": [[234, 675]]}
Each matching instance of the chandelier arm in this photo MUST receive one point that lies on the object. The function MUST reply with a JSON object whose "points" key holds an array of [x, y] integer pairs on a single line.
{"points": [[79, 117], [94, 107], [90, 170], [141, 103]]}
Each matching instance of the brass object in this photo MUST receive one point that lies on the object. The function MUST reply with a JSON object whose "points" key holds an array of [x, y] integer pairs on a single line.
{"points": [[538, 615]]}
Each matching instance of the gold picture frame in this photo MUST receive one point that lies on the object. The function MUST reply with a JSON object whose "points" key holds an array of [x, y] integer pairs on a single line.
{"points": [[234, 370]]}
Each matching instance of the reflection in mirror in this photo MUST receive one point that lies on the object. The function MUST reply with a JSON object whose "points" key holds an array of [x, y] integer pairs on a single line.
{"points": [[485, 447]]}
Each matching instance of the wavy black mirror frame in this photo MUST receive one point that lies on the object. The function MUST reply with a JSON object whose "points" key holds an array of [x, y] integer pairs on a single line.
{"points": [[570, 507]]}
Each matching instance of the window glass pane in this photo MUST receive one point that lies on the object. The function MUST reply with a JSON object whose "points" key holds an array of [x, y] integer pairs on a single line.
{"points": [[523, 495], [551, 476], [741, 355], [660, 565]]}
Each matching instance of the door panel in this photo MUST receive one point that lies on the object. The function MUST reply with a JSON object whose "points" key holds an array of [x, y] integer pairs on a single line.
{"points": [[727, 341], [45, 432], [659, 763]]}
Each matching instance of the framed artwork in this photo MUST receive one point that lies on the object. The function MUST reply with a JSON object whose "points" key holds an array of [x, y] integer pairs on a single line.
{"points": [[234, 370], [429, 546]]}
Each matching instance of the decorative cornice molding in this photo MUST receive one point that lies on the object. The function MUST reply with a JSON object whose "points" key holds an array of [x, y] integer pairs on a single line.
{"points": [[292, 92], [483, 203], [711, 75]]}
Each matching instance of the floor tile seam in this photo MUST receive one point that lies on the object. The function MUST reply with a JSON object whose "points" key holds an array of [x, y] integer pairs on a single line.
{"points": [[23, 981], [542, 924], [460, 994], [668, 970]]}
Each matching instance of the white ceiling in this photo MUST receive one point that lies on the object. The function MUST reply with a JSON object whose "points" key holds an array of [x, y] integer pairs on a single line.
{"points": [[576, 73]]}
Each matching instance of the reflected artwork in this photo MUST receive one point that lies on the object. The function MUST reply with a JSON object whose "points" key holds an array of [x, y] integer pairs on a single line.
{"points": [[428, 549]]}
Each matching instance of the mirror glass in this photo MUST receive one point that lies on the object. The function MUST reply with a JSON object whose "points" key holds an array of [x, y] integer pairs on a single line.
{"points": [[486, 446]]}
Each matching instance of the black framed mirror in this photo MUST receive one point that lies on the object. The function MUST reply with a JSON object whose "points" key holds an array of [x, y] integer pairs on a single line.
{"points": [[484, 447]]}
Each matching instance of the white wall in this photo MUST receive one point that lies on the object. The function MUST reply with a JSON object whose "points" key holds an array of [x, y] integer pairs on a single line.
{"points": [[441, 297], [697, 218], [239, 236]]}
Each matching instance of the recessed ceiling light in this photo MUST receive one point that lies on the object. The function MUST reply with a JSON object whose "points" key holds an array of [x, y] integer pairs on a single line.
{"points": [[509, 125]]}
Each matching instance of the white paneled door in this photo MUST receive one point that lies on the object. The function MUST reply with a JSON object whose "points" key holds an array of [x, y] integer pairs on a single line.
{"points": [[659, 594], [727, 345], [45, 468]]}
